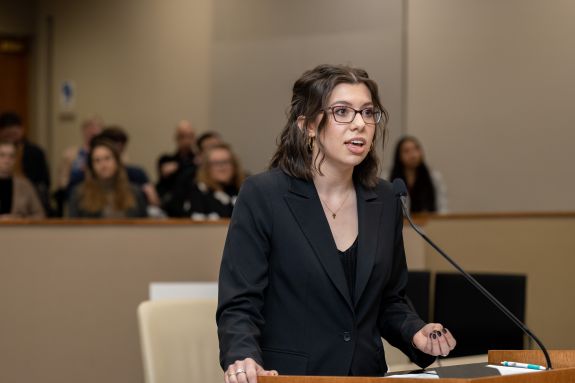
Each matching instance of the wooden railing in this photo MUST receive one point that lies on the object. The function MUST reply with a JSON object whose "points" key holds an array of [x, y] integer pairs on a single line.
{"points": [[418, 218]]}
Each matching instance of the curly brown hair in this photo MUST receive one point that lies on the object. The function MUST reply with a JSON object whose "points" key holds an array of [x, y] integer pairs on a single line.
{"points": [[310, 97]]}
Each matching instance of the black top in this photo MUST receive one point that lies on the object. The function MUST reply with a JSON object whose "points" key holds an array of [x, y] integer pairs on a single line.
{"points": [[198, 202], [35, 168], [349, 262], [6, 189], [167, 186]]}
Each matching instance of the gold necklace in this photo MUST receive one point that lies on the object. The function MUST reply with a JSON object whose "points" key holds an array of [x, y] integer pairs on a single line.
{"points": [[334, 213]]}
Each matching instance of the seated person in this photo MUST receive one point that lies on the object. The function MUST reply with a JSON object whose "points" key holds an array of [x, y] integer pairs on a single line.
{"points": [[427, 192], [136, 175], [206, 141], [214, 193], [106, 191], [18, 198], [182, 161], [30, 159], [74, 160]]}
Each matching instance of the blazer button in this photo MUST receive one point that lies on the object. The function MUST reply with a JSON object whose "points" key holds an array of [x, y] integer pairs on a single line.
{"points": [[346, 336]]}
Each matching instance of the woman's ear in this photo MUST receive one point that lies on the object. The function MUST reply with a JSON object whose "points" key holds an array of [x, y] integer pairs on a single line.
{"points": [[308, 127]]}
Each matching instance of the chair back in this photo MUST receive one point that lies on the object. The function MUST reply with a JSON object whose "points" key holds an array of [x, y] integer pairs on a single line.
{"points": [[179, 341], [476, 323]]}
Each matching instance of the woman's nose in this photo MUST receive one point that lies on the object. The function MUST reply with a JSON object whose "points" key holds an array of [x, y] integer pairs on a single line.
{"points": [[358, 122]]}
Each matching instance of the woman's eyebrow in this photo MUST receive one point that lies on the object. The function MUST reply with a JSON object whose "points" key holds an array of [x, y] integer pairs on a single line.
{"points": [[343, 102]]}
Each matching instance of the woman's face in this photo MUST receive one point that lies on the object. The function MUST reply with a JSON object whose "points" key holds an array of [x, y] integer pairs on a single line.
{"points": [[7, 160], [410, 154], [346, 144], [104, 163], [221, 167]]}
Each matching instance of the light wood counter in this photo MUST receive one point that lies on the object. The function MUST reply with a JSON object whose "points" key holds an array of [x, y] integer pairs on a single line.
{"points": [[70, 288]]}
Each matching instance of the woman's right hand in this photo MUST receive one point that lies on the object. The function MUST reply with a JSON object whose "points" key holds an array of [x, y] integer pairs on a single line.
{"points": [[246, 371]]}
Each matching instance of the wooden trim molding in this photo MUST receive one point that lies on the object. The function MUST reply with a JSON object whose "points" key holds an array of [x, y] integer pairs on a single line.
{"points": [[107, 222], [420, 219]]}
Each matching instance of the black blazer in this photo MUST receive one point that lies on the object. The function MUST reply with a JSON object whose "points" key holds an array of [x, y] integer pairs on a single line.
{"points": [[283, 297]]}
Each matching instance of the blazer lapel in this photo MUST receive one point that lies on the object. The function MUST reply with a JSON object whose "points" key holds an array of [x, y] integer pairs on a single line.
{"points": [[369, 213], [305, 206]]}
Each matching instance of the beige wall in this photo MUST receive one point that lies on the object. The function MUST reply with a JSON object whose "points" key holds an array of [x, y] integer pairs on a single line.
{"points": [[490, 90], [487, 85], [261, 47], [69, 313], [141, 64], [226, 65]]}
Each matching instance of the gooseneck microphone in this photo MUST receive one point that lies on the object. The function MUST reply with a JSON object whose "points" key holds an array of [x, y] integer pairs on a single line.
{"points": [[401, 191]]}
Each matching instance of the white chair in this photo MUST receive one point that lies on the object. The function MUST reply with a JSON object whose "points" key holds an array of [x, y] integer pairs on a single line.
{"points": [[179, 341]]}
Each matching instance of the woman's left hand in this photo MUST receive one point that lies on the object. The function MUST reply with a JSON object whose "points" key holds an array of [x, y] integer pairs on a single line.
{"points": [[434, 339]]}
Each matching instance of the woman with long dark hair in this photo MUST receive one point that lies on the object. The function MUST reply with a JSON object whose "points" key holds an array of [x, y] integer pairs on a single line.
{"points": [[425, 186], [106, 191], [313, 273]]}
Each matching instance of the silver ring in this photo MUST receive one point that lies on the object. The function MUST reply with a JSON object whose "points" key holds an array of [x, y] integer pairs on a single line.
{"points": [[240, 371]]}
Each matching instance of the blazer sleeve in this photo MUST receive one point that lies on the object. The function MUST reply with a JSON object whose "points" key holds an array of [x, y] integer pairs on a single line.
{"points": [[397, 322], [244, 276]]}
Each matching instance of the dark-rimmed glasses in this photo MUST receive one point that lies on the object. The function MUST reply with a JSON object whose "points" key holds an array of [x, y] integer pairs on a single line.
{"points": [[346, 114]]}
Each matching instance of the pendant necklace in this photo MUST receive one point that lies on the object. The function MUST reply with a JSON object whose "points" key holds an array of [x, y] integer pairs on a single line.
{"points": [[334, 212]]}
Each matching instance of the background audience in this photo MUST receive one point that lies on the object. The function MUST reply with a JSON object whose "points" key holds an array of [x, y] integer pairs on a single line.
{"points": [[182, 162], [136, 174], [106, 191], [205, 141], [199, 180], [74, 158], [18, 198], [213, 193], [74, 161], [30, 159], [427, 192]]}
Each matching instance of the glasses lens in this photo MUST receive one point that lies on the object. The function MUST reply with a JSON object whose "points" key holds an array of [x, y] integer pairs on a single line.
{"points": [[343, 114], [371, 116], [346, 114]]}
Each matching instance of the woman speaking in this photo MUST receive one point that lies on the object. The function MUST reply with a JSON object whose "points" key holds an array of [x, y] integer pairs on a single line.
{"points": [[313, 273]]}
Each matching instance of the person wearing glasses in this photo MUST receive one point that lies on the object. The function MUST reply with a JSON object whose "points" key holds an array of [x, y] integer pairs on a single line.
{"points": [[211, 195], [313, 272]]}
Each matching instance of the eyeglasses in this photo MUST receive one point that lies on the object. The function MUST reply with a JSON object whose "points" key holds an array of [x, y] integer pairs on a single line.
{"points": [[346, 114]]}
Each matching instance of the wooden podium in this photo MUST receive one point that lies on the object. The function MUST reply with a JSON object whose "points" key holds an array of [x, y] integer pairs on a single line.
{"points": [[563, 371]]}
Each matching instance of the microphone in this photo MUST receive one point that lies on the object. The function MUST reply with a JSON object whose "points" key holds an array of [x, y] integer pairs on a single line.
{"points": [[401, 191]]}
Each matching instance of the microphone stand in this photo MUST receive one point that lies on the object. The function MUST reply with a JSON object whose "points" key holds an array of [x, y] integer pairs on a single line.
{"points": [[476, 284]]}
